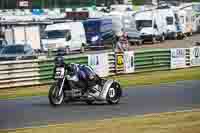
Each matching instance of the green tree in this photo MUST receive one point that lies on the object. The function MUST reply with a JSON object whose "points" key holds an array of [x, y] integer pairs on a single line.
{"points": [[138, 2]]}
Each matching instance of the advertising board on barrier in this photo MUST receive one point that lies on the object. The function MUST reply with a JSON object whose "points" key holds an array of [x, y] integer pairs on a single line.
{"points": [[178, 58], [120, 60], [129, 66], [195, 56], [24, 3], [100, 64]]}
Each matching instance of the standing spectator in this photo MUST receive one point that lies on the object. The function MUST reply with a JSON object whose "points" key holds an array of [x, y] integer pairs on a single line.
{"points": [[122, 43]]}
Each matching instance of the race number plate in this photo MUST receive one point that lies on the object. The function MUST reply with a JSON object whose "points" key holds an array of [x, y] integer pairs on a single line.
{"points": [[60, 72]]}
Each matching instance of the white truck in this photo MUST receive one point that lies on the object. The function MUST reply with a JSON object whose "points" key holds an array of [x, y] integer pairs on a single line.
{"points": [[69, 36], [151, 25]]}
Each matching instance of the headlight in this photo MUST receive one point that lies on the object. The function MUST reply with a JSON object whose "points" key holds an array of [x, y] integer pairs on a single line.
{"points": [[94, 38], [19, 57]]}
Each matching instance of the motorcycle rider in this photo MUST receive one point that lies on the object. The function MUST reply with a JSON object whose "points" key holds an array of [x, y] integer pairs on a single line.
{"points": [[84, 73]]}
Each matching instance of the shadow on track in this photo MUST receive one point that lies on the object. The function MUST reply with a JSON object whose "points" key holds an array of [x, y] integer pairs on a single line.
{"points": [[75, 104]]}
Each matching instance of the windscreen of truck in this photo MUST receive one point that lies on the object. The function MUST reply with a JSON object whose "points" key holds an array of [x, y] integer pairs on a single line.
{"points": [[143, 24], [170, 20], [55, 34], [106, 26], [91, 30]]}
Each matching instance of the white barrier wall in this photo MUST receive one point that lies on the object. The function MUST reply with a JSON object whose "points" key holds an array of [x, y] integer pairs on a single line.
{"points": [[39, 72]]}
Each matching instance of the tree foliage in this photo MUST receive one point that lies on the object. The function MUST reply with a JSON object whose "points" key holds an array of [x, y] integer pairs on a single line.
{"points": [[138, 2]]}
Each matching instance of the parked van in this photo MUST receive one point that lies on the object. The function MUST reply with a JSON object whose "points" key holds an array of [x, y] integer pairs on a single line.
{"points": [[98, 32], [124, 22], [69, 35], [151, 25]]}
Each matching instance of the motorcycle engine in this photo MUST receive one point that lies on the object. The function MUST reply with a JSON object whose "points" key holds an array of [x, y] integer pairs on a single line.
{"points": [[75, 83]]}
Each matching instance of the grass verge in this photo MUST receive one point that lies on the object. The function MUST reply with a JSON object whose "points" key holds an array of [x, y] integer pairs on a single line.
{"points": [[159, 77], [24, 92], [176, 122], [151, 78]]}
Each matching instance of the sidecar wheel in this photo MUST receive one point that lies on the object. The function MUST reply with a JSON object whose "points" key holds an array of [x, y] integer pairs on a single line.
{"points": [[114, 93]]}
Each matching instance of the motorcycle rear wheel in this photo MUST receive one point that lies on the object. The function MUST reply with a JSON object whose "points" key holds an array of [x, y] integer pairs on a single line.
{"points": [[54, 99]]}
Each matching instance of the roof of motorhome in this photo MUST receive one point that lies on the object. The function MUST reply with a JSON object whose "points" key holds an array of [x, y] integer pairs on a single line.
{"points": [[121, 7], [97, 19], [185, 5], [60, 26], [153, 9], [117, 13], [144, 15], [26, 22]]}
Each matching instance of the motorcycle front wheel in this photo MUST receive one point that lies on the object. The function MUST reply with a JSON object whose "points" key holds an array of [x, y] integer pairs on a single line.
{"points": [[54, 98]]}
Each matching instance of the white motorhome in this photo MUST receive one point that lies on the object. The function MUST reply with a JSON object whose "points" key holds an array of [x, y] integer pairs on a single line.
{"points": [[151, 25], [168, 15], [196, 17], [184, 13], [117, 22], [129, 27], [24, 34], [69, 35]]}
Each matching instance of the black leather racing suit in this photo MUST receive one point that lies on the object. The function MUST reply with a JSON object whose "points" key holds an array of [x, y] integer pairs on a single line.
{"points": [[87, 75]]}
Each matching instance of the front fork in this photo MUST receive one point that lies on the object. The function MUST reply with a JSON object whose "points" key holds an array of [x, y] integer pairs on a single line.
{"points": [[62, 82]]}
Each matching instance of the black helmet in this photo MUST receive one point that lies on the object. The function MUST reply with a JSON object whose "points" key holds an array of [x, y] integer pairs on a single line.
{"points": [[72, 69], [59, 61], [60, 52]]}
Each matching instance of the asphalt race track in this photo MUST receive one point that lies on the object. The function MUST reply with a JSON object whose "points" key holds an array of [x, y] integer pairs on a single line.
{"points": [[36, 111]]}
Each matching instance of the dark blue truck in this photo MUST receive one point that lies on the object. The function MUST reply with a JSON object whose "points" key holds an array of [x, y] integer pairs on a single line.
{"points": [[99, 32]]}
